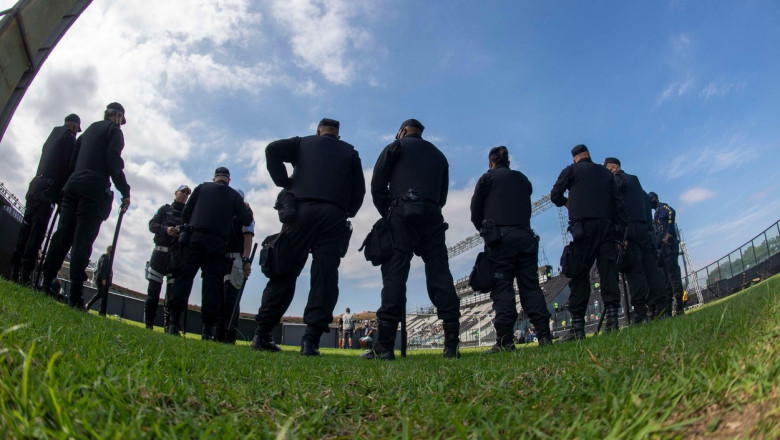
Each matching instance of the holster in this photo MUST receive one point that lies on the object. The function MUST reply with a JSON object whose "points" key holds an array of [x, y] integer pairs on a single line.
{"points": [[490, 232], [108, 202]]}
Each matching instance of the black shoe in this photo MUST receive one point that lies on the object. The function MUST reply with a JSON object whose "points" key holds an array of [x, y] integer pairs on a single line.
{"points": [[497, 348], [451, 339], [543, 337], [264, 342], [150, 327], [77, 303], [384, 356], [172, 330], [577, 332], [309, 348]]}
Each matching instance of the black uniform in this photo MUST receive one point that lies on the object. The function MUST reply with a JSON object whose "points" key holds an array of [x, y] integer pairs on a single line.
{"points": [[641, 260], [43, 192], [504, 196], [158, 265], [594, 204], [409, 172], [234, 255], [209, 213], [86, 202], [102, 276], [329, 186], [664, 221]]}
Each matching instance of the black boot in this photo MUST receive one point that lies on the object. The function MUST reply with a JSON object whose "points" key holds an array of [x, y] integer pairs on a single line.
{"points": [[263, 341], [451, 339], [385, 342], [505, 340], [75, 299], [543, 335], [26, 277], [15, 269], [207, 334], [577, 331], [611, 319], [310, 342], [230, 336], [220, 334], [172, 329], [640, 315]]}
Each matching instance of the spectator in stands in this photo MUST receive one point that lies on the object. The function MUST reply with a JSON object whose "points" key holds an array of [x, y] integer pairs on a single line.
{"points": [[501, 211]]}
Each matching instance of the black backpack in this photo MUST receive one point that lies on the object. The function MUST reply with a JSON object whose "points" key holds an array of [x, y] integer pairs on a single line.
{"points": [[378, 245], [275, 260]]}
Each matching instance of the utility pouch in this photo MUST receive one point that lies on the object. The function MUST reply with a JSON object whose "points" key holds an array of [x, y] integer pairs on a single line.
{"points": [[344, 243], [412, 206], [378, 244], [572, 262], [577, 230], [286, 206], [483, 276], [490, 232], [275, 260], [108, 201], [184, 234]]}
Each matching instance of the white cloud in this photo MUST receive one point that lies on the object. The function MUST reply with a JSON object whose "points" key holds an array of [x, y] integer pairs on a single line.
{"points": [[695, 195], [325, 35], [719, 89], [733, 151], [676, 89]]}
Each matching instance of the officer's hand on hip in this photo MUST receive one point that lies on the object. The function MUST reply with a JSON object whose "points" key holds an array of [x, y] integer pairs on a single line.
{"points": [[125, 204]]}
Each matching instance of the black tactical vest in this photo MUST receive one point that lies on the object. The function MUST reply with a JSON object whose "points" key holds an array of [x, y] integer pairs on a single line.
{"points": [[215, 208], [590, 195], [419, 165], [324, 171], [168, 216], [509, 200], [634, 197]]}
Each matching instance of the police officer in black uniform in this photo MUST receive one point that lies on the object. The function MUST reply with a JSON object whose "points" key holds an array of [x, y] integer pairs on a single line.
{"points": [[665, 226], [44, 191], [328, 186], [237, 270], [641, 261], [165, 227], [409, 188], [502, 200], [207, 218], [87, 199], [595, 206], [102, 276]]}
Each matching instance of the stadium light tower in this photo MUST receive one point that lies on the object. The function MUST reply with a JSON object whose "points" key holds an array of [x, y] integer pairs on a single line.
{"points": [[28, 33]]}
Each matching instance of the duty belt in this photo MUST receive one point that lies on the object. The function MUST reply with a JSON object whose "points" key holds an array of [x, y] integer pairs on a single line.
{"points": [[162, 248]]}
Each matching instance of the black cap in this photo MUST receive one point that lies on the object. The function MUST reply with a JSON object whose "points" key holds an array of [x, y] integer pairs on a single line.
{"points": [[75, 119], [413, 123], [652, 195], [327, 122], [118, 107], [581, 148], [222, 171], [610, 160]]}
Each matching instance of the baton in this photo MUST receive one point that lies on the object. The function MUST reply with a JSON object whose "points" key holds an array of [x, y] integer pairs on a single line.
{"points": [[403, 337], [241, 291], [601, 320], [46, 247], [109, 280]]}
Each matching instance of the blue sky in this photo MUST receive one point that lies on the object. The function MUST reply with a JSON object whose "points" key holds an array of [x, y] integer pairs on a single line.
{"points": [[684, 93]]}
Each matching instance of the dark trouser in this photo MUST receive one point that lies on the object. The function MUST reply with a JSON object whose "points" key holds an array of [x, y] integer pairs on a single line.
{"points": [[205, 252], [37, 212], [517, 254], [597, 243], [226, 307], [319, 228], [100, 295], [673, 278], [643, 277], [159, 263], [79, 224], [424, 238]]}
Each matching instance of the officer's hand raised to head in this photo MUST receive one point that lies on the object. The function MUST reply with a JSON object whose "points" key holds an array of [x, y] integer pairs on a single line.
{"points": [[125, 204]]}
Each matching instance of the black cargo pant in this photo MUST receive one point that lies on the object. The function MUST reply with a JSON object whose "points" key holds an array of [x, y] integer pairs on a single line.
{"points": [[81, 213], [37, 212], [319, 228], [158, 262], [642, 274], [227, 305], [668, 261], [425, 238], [597, 243], [100, 295], [517, 253], [205, 251]]}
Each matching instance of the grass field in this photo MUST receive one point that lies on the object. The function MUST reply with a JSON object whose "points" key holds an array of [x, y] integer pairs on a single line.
{"points": [[710, 374]]}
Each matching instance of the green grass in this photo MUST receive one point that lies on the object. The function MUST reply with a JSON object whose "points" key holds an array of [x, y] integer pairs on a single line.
{"points": [[713, 372]]}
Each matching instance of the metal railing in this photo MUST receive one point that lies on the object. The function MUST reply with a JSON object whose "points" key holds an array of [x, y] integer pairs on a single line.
{"points": [[755, 260]]}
